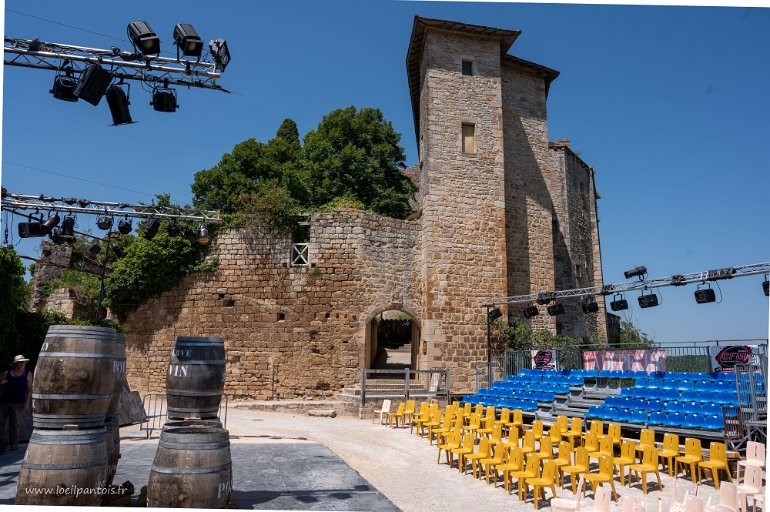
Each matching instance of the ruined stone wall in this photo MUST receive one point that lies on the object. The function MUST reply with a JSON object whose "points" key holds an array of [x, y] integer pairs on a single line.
{"points": [[463, 202], [59, 257], [289, 331], [65, 301]]}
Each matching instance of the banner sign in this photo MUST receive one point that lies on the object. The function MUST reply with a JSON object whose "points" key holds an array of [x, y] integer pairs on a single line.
{"points": [[625, 360], [725, 358], [543, 359]]}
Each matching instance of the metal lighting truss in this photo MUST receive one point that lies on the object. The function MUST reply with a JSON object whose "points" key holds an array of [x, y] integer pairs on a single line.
{"points": [[107, 209], [32, 53], [646, 284]]}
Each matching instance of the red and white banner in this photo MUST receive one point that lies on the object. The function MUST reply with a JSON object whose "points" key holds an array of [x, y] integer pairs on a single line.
{"points": [[626, 360], [543, 359], [726, 358]]}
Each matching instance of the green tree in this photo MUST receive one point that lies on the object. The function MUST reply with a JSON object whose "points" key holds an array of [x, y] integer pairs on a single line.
{"points": [[632, 337]]}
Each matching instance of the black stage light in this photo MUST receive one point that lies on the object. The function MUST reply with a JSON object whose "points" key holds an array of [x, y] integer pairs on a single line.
{"points": [[648, 301], [556, 309], [590, 306], [220, 52], [619, 304], [117, 251], [705, 296], [124, 226], [766, 287], [173, 229], [104, 223], [188, 40], [118, 102], [95, 249], [638, 271], [143, 37], [51, 223], [31, 229], [203, 235], [151, 228], [64, 88], [191, 237], [56, 237], [93, 83], [531, 311], [494, 314], [68, 228], [545, 298], [164, 99]]}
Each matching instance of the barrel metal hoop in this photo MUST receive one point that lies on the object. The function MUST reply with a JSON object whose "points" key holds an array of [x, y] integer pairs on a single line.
{"points": [[79, 355], [192, 471], [186, 446], [199, 361], [181, 392], [51, 396], [81, 465]]}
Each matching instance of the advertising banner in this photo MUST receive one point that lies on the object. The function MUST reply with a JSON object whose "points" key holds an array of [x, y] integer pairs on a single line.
{"points": [[625, 360], [725, 358], [543, 359]]}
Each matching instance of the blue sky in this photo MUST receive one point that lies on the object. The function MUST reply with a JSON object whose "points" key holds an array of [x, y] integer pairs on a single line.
{"points": [[670, 105]]}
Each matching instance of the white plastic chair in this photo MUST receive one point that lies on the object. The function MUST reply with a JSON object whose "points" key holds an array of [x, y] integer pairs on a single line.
{"points": [[728, 499], [631, 504], [602, 499], [751, 486], [385, 410], [755, 456], [694, 504], [676, 506], [567, 504]]}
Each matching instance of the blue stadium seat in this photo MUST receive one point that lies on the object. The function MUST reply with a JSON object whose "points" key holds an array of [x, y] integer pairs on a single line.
{"points": [[638, 416], [590, 374], [674, 406], [693, 421], [620, 415], [654, 383], [658, 375], [711, 409], [593, 412], [670, 394], [689, 395], [668, 384], [605, 374], [691, 408], [658, 418], [684, 385], [655, 405], [627, 374], [674, 419], [640, 374], [726, 397], [616, 374], [641, 383], [713, 422], [706, 396], [627, 392], [700, 376]]}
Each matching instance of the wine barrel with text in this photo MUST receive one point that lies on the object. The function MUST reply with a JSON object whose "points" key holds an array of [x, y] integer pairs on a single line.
{"points": [[74, 379], [64, 467], [192, 468], [196, 377], [119, 373], [113, 447]]}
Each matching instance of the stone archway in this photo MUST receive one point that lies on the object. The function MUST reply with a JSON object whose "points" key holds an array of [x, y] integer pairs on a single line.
{"points": [[392, 338]]}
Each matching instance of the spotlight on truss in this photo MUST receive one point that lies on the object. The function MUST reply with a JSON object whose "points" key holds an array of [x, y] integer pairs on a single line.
{"points": [[104, 223], [164, 99], [143, 37], [648, 301], [494, 314], [705, 295], [117, 99], [618, 303], [640, 272], [186, 38], [531, 311], [220, 52], [556, 309], [590, 306]]}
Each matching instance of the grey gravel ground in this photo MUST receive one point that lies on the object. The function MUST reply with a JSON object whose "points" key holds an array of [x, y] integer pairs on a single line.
{"points": [[296, 462]]}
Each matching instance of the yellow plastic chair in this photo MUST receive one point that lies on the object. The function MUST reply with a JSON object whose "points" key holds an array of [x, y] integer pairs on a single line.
{"points": [[580, 467], [409, 411], [497, 435], [555, 433], [531, 468], [649, 464], [513, 438], [605, 448], [447, 428], [564, 458], [528, 443], [563, 422], [670, 450], [546, 449], [452, 442], [537, 429], [505, 420], [482, 453], [473, 424], [693, 454], [466, 448], [627, 457], [596, 428], [604, 474], [514, 463], [646, 438], [419, 418], [486, 429], [467, 411], [613, 432], [518, 419], [717, 460], [540, 482], [399, 414], [591, 443], [575, 431], [435, 423], [496, 459]]}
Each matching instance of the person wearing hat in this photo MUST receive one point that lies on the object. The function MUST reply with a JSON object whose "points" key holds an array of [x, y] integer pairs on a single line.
{"points": [[14, 399]]}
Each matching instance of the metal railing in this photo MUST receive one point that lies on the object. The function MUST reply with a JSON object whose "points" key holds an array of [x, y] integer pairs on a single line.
{"points": [[156, 412], [405, 383]]}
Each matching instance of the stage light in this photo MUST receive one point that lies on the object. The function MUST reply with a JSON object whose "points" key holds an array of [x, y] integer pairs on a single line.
{"points": [[648, 301], [64, 88], [619, 304], [56, 237], [118, 102], [31, 229], [203, 235], [50, 223], [545, 298], [766, 287], [634, 272], [590, 306], [164, 100], [220, 52], [117, 251], [556, 309], [173, 229], [494, 314], [95, 249], [93, 83], [143, 37], [531, 311], [104, 223], [68, 228], [124, 226], [188, 40], [705, 295], [151, 228]]}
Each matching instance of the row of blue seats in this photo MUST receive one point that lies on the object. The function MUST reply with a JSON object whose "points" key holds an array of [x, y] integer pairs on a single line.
{"points": [[682, 385], [691, 395], [556, 387], [573, 380], [626, 374], [659, 405], [510, 403], [540, 396], [674, 419]]}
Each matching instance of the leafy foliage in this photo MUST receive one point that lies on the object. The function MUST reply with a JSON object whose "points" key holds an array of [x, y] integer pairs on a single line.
{"points": [[632, 337], [85, 286]]}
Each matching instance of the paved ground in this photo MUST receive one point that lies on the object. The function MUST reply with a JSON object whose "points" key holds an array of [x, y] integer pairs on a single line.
{"points": [[295, 462]]}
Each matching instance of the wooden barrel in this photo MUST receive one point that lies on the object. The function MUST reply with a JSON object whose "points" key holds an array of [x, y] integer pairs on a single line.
{"points": [[196, 377], [192, 468], [119, 371], [63, 467], [113, 447], [74, 378], [193, 422]]}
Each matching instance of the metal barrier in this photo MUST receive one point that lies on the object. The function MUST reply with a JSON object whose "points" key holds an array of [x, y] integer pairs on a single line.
{"points": [[156, 412], [404, 383]]}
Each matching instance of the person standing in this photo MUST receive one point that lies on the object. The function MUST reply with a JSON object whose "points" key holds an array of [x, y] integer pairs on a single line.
{"points": [[15, 398]]}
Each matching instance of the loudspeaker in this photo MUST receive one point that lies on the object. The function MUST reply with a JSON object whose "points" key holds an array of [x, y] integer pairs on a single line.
{"points": [[64, 88], [31, 229], [93, 83], [648, 301], [704, 296]]}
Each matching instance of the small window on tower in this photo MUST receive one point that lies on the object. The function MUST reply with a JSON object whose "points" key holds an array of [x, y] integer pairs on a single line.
{"points": [[467, 68], [469, 138]]}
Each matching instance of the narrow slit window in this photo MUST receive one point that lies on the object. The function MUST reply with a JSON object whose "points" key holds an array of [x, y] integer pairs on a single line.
{"points": [[467, 68], [469, 138]]}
